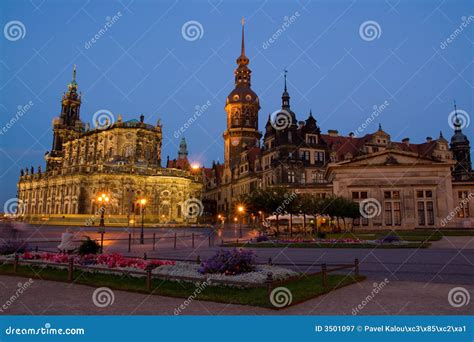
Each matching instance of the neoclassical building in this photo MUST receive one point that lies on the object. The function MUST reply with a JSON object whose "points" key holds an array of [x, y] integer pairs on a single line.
{"points": [[414, 185], [121, 159]]}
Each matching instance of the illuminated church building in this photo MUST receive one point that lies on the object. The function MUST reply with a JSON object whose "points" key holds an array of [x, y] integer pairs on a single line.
{"points": [[417, 185], [121, 159]]}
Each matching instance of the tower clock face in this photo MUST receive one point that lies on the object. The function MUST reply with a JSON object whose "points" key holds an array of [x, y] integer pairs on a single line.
{"points": [[235, 141]]}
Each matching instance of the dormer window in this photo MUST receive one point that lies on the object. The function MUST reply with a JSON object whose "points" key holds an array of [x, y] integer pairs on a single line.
{"points": [[311, 139]]}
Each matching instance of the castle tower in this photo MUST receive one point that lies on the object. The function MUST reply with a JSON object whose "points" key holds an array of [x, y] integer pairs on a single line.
{"points": [[242, 106], [461, 149], [183, 149]]}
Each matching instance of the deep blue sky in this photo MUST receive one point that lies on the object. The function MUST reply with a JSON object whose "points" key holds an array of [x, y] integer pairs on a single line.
{"points": [[142, 64]]}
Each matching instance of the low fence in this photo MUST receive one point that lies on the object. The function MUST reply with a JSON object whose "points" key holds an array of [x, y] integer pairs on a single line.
{"points": [[270, 282]]}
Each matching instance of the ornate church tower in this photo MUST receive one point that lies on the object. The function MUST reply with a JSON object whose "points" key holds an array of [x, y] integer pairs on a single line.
{"points": [[242, 106], [461, 151], [67, 125]]}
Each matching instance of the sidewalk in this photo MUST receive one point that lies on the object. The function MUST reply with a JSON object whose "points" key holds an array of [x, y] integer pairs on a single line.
{"points": [[396, 298]]}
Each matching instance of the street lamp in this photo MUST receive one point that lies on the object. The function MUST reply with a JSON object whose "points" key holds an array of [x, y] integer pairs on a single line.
{"points": [[103, 200], [142, 202], [240, 208]]}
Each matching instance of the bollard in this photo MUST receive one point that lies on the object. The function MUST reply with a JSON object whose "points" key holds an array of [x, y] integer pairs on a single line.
{"points": [[222, 242], [145, 256], [129, 242], [270, 261], [356, 267], [324, 276], [36, 249], [209, 240], [154, 240], [148, 278], [198, 260], [70, 270], [193, 239], [15, 264], [237, 242], [175, 237]]}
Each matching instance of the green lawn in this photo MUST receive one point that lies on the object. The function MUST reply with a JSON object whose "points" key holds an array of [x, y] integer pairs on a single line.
{"points": [[302, 289]]}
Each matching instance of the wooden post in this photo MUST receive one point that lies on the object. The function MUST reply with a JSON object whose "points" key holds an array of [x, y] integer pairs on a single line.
{"points": [[129, 242], [154, 239], [209, 240], [270, 261], [198, 259], [237, 241], [175, 237], [222, 242], [324, 276], [36, 249], [148, 278], [356, 267], [15, 264], [145, 256], [269, 283], [193, 239], [70, 270]]}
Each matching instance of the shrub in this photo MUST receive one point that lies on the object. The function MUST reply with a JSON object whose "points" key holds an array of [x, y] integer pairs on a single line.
{"points": [[390, 238], [88, 246], [13, 246], [229, 262], [321, 235], [262, 238]]}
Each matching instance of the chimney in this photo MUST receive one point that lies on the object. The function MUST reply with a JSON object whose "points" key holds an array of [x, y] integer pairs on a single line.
{"points": [[406, 141], [333, 132], [429, 139]]}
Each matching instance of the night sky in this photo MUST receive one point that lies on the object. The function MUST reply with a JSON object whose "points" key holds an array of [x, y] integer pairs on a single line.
{"points": [[145, 62]]}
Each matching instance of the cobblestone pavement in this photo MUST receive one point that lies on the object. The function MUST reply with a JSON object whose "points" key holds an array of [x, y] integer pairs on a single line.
{"points": [[396, 298]]}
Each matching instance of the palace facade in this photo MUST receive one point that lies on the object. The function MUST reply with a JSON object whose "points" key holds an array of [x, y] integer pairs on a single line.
{"points": [[121, 159], [422, 185]]}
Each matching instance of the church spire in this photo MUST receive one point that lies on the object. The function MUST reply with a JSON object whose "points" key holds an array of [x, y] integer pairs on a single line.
{"points": [[285, 97], [242, 52]]}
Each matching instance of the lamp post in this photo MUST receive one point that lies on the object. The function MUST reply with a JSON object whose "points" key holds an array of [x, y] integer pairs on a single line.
{"points": [[142, 233], [103, 199], [241, 211]]}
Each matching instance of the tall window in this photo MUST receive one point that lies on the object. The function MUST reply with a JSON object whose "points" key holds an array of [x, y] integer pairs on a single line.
{"points": [[291, 176], [392, 208], [357, 196], [425, 207], [304, 155], [463, 211], [319, 157], [303, 177]]}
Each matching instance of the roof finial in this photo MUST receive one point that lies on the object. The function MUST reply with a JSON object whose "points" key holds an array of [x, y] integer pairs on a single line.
{"points": [[74, 73], [457, 122], [441, 135], [310, 112], [380, 126], [243, 37], [284, 75]]}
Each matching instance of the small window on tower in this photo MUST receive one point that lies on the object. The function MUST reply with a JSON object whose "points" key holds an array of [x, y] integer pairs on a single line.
{"points": [[236, 97], [248, 97]]}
